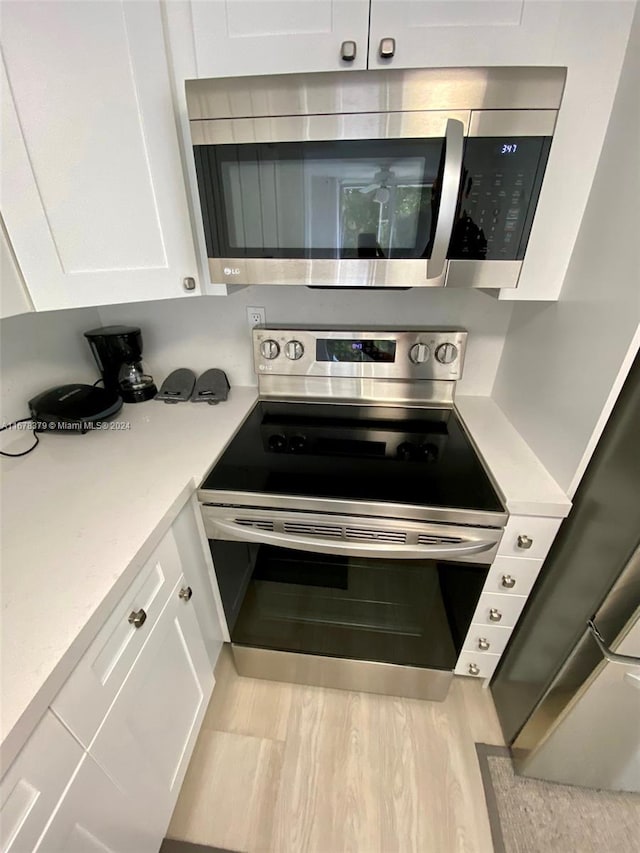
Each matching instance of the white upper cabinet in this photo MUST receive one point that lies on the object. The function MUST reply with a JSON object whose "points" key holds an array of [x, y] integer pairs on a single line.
{"points": [[461, 32], [93, 190], [238, 37], [14, 298]]}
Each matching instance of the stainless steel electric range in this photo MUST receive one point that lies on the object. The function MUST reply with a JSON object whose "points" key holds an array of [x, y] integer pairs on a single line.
{"points": [[352, 524]]}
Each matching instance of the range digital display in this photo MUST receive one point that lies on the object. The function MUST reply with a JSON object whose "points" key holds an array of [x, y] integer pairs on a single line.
{"points": [[354, 351]]}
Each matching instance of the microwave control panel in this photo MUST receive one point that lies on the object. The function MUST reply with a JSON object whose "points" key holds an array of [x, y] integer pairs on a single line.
{"points": [[501, 180]]}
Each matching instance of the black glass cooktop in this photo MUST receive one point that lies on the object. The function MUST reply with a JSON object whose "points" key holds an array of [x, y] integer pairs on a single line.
{"points": [[349, 452]]}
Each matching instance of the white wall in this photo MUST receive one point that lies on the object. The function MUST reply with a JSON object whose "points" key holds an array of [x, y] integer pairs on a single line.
{"points": [[561, 361], [40, 351], [212, 331]]}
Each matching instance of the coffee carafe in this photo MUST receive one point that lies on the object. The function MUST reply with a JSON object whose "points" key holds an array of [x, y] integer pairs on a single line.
{"points": [[118, 353]]}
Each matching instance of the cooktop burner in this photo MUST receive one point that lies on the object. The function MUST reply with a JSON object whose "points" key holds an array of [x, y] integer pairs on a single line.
{"points": [[355, 453]]}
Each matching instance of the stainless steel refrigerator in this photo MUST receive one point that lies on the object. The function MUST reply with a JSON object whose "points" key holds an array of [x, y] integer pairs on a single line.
{"points": [[568, 693]]}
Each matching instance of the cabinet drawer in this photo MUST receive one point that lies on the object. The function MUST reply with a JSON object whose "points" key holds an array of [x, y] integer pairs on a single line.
{"points": [[528, 536], [87, 695], [32, 786], [479, 636], [478, 665], [506, 607], [512, 575]]}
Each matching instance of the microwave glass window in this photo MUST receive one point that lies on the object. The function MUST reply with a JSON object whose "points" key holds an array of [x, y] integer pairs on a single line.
{"points": [[349, 199]]}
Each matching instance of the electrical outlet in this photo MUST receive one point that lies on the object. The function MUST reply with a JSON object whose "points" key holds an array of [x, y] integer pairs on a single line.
{"points": [[255, 316]]}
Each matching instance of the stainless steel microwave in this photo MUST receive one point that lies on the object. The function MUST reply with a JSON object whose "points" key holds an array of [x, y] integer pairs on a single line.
{"points": [[388, 178]]}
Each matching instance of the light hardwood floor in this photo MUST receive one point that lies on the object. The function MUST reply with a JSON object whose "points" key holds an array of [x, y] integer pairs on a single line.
{"points": [[290, 769]]}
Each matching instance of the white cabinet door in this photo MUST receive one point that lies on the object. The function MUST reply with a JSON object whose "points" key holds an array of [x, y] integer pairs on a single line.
{"points": [[199, 573], [147, 738], [239, 37], [32, 786], [95, 816], [88, 693], [14, 298], [94, 198], [430, 33]]}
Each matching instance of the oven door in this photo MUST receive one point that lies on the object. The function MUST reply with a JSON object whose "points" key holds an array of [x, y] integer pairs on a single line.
{"points": [[330, 200], [403, 610]]}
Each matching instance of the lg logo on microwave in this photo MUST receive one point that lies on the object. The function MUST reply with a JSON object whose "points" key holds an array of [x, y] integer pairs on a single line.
{"points": [[231, 271]]}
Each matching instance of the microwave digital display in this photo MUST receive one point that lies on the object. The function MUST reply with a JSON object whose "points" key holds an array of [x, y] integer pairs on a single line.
{"points": [[354, 351]]}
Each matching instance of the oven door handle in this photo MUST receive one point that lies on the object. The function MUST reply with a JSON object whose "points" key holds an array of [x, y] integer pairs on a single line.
{"points": [[238, 532], [451, 177]]}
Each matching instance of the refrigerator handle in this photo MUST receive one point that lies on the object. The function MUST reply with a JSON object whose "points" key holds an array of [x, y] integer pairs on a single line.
{"points": [[612, 657]]}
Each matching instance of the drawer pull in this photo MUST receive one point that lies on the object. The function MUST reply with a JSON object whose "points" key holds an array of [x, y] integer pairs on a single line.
{"points": [[137, 618], [495, 615], [474, 669], [508, 581], [387, 48], [483, 644], [185, 593], [524, 542], [348, 51]]}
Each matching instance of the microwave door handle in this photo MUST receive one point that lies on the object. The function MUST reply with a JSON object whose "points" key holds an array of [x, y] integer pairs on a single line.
{"points": [[241, 533], [451, 177]]}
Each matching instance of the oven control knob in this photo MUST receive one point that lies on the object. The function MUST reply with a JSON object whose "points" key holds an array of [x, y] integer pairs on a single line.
{"points": [[446, 353], [297, 443], [419, 353], [269, 349], [293, 350], [277, 442]]}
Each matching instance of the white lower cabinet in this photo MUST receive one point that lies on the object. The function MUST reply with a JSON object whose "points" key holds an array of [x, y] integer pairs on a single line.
{"points": [[34, 783], [89, 692], [97, 816], [146, 740], [504, 595], [512, 575], [487, 639], [497, 609], [478, 665], [103, 769]]}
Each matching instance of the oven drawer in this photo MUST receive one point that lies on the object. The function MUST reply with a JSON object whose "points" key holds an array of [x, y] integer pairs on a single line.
{"points": [[528, 536], [477, 665], [487, 639], [512, 575], [498, 609]]}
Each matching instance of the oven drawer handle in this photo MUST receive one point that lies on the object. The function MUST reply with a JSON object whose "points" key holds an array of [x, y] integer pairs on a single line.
{"points": [[351, 549]]}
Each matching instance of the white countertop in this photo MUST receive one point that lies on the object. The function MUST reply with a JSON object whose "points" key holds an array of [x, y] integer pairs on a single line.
{"points": [[526, 485], [81, 515]]}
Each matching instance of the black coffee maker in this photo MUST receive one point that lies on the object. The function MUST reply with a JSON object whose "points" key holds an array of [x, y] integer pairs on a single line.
{"points": [[118, 353]]}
